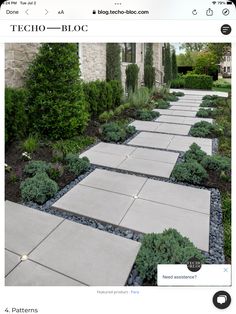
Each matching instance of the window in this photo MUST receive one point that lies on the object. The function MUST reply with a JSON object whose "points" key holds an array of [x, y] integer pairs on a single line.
{"points": [[228, 69], [129, 53]]}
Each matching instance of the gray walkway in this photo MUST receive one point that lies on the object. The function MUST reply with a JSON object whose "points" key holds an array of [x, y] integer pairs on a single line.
{"points": [[170, 128], [61, 252], [141, 204]]}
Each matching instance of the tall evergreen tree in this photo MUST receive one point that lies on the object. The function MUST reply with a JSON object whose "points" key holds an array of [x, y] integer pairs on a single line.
{"points": [[149, 70], [113, 62], [174, 65], [56, 104], [167, 64]]}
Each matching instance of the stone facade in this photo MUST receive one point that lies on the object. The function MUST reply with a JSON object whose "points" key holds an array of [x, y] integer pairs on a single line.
{"points": [[92, 62], [17, 58]]}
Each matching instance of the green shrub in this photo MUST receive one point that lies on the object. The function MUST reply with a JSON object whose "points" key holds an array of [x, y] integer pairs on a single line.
{"points": [[116, 132], [106, 116], [36, 166], [55, 171], [76, 145], [204, 113], [146, 115], [210, 97], [15, 114], [194, 153], [178, 94], [56, 103], [179, 82], [132, 71], [117, 93], [38, 189], [221, 83], [31, 144], [190, 171], [205, 129], [162, 104], [195, 81], [169, 247], [216, 163], [76, 164], [139, 98], [170, 97], [209, 103]]}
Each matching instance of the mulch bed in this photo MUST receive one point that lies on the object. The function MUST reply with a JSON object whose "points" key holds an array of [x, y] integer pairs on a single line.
{"points": [[13, 157]]}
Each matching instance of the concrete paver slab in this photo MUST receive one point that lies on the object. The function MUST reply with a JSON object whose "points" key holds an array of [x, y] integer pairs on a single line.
{"points": [[11, 260], [161, 127], [177, 195], [28, 273], [123, 161], [176, 112], [148, 217], [95, 203], [89, 255], [176, 142], [26, 228], [145, 125], [114, 182], [174, 128], [185, 108], [150, 167], [114, 149]]}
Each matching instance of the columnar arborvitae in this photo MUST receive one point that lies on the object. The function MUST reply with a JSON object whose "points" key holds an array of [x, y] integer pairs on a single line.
{"points": [[174, 65], [149, 70], [113, 62], [167, 64], [56, 104]]}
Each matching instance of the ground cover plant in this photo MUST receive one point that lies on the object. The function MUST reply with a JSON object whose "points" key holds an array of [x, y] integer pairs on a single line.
{"points": [[205, 129], [168, 247], [116, 132]]}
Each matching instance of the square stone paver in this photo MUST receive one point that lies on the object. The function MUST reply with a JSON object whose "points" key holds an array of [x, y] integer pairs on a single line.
{"points": [[174, 128], [177, 195], [154, 168], [157, 127], [11, 260], [129, 158], [177, 112], [192, 121], [95, 203], [114, 182], [88, 255], [145, 125], [181, 120], [183, 143], [26, 228], [174, 142], [193, 105], [148, 217], [28, 273], [185, 108]]}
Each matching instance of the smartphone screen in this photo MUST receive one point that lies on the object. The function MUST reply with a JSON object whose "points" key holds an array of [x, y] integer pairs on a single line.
{"points": [[116, 144]]}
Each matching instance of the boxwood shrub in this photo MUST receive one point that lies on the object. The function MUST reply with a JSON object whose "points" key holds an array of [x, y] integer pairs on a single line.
{"points": [[194, 153], [169, 247], [190, 171], [38, 189], [195, 81], [204, 113]]}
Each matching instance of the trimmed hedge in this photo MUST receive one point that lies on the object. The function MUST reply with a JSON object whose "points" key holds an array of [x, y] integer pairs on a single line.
{"points": [[195, 81], [169, 247], [15, 114], [102, 96]]}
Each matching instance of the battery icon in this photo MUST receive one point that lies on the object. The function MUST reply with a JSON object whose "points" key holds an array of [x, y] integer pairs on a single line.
{"points": [[229, 2]]}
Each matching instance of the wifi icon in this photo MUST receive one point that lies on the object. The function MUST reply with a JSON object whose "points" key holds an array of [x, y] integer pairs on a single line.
{"points": [[214, 2]]}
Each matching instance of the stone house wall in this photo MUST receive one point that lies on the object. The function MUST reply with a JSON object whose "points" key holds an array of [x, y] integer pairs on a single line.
{"points": [[92, 60], [17, 58]]}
